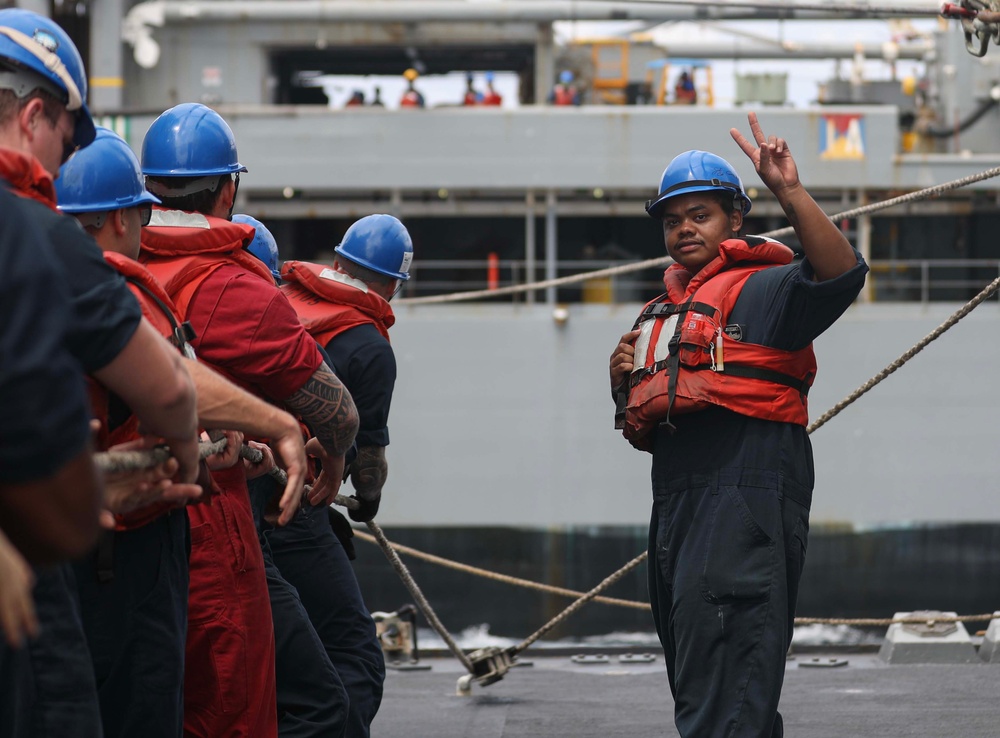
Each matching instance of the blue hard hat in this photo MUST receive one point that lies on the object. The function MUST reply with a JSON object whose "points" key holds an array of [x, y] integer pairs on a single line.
{"points": [[380, 243], [35, 53], [103, 176], [189, 140], [263, 246], [698, 171], [488, 76], [565, 76]]}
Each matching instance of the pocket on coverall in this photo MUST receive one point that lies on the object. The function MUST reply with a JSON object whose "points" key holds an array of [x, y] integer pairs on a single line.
{"points": [[741, 548]]}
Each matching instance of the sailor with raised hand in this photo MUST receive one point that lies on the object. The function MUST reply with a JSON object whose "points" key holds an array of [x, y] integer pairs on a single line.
{"points": [[346, 309], [43, 120], [246, 329], [713, 382], [134, 593]]}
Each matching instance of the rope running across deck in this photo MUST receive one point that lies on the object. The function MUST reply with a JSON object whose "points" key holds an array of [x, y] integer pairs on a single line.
{"points": [[636, 604]]}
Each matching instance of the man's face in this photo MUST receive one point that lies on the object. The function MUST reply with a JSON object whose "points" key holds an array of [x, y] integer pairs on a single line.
{"points": [[693, 227], [53, 143]]}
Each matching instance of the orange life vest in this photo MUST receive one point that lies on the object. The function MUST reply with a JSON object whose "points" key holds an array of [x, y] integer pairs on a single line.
{"points": [[686, 361], [182, 250], [160, 312], [329, 302]]}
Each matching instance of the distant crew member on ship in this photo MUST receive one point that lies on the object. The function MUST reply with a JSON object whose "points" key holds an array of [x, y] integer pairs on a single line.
{"points": [[346, 309], [472, 95], [134, 592], [713, 382], [244, 327], [684, 91], [565, 92], [412, 97], [491, 97]]}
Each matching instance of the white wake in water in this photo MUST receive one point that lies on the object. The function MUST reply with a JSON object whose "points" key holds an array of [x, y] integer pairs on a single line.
{"points": [[479, 636]]}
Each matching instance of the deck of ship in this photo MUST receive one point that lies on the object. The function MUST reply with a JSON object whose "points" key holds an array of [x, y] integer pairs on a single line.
{"points": [[557, 697]]}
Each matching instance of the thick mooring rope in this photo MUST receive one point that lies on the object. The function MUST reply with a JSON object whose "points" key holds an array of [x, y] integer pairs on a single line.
{"points": [[121, 462], [580, 602], [637, 604], [971, 305], [664, 260], [497, 577], [418, 596]]}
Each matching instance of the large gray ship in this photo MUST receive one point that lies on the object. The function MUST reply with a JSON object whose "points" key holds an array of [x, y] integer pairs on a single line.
{"points": [[503, 452]]}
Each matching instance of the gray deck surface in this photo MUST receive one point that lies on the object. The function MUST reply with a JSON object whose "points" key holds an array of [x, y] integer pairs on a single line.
{"points": [[556, 697]]}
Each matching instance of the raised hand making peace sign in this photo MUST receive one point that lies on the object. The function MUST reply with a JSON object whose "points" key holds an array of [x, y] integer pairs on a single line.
{"points": [[771, 157]]}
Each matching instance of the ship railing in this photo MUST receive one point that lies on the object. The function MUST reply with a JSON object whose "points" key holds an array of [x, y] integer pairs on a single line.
{"points": [[891, 280]]}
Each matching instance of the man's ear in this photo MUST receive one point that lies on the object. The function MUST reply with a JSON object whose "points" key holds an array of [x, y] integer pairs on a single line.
{"points": [[227, 198], [30, 116], [118, 220], [736, 221]]}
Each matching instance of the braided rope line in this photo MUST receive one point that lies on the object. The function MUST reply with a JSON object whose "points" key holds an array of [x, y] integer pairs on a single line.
{"points": [[255, 456], [505, 578], [664, 260], [580, 602], [418, 595], [971, 305], [636, 604], [120, 462]]}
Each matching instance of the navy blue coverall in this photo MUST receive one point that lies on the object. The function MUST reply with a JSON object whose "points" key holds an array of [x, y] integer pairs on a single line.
{"points": [[311, 558], [729, 525], [59, 678], [44, 425]]}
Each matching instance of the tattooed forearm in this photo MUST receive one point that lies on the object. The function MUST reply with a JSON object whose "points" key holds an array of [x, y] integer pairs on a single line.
{"points": [[326, 405], [369, 471]]}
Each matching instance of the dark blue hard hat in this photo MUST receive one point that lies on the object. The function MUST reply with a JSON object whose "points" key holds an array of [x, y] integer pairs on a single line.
{"points": [[35, 53], [189, 140], [698, 171], [263, 246], [380, 243], [104, 176]]}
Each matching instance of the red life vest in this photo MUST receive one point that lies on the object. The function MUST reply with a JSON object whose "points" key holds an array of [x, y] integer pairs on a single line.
{"points": [[182, 250], [158, 310], [685, 360], [492, 97], [564, 95], [329, 302], [411, 99], [27, 177]]}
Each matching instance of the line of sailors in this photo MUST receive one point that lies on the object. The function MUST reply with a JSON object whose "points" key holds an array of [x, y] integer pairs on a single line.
{"points": [[214, 603]]}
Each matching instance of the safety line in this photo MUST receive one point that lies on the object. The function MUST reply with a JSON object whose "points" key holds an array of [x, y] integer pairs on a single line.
{"points": [[851, 10], [496, 576], [120, 462], [971, 305], [422, 603], [664, 260], [637, 604]]}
